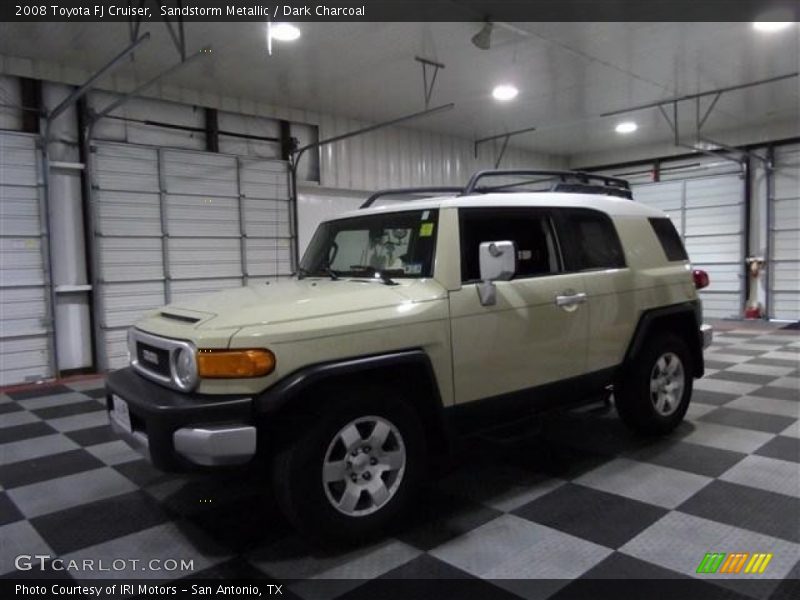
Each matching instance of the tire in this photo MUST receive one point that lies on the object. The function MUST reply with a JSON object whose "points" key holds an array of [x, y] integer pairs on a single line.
{"points": [[384, 476], [653, 395]]}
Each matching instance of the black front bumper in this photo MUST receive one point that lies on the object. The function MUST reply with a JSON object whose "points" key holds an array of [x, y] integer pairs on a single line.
{"points": [[156, 413]]}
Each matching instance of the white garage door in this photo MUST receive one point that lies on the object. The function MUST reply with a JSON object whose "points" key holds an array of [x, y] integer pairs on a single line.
{"points": [[173, 224], [25, 344], [785, 236], [709, 214]]}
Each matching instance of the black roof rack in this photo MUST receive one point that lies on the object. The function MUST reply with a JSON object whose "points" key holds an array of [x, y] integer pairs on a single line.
{"points": [[578, 182], [411, 191]]}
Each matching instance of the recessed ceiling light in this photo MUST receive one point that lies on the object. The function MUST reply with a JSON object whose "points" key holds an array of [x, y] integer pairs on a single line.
{"points": [[284, 32], [505, 92], [626, 127], [771, 26]]}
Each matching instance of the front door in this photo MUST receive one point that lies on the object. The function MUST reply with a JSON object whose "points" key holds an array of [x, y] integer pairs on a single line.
{"points": [[537, 331]]}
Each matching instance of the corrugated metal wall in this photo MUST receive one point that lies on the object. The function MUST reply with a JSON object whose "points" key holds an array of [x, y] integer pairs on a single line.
{"points": [[172, 224], [25, 345], [784, 234]]}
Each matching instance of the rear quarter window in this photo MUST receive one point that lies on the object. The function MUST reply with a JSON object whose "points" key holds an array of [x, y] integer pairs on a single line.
{"points": [[590, 240], [668, 237]]}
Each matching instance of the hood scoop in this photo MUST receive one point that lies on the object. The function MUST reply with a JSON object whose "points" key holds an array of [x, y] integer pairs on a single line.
{"points": [[176, 317]]}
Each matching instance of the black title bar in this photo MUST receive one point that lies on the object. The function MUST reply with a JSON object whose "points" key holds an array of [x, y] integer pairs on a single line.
{"points": [[400, 10]]}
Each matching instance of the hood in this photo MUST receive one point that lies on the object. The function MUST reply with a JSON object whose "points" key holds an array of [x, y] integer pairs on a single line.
{"points": [[295, 300]]}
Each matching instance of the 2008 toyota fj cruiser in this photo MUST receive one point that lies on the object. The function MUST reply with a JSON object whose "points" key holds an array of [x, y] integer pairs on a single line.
{"points": [[411, 323]]}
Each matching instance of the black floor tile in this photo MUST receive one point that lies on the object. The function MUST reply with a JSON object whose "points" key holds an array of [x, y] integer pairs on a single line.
{"points": [[89, 524], [427, 577], [92, 436], [95, 393], [443, 517], [622, 566], [715, 398], [779, 393], [747, 419], [751, 508], [781, 447], [235, 568], [47, 467], [25, 432], [68, 410], [694, 458], [142, 473], [733, 349], [742, 377], [606, 519], [713, 364], [38, 392], [8, 510], [9, 407], [773, 362], [243, 524]]}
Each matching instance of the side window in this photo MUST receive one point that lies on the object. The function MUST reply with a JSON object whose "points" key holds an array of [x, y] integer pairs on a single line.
{"points": [[530, 229], [669, 238], [594, 241]]}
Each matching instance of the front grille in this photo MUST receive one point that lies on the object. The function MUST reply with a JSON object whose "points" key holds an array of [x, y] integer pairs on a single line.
{"points": [[153, 359]]}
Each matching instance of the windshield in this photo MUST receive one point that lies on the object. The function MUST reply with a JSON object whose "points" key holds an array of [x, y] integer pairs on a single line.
{"points": [[399, 244]]}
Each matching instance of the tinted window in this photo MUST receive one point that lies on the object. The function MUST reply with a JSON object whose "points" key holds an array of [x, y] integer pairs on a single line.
{"points": [[529, 229], [594, 243], [669, 238]]}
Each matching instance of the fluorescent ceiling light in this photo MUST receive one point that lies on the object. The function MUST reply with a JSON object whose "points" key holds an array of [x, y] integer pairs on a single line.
{"points": [[283, 32], [771, 26], [505, 92], [626, 127]]}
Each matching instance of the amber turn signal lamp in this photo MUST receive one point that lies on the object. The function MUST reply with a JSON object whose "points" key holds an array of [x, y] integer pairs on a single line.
{"points": [[233, 364]]}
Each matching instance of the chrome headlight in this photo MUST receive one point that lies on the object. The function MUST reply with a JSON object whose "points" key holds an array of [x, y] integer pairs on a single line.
{"points": [[185, 368]]}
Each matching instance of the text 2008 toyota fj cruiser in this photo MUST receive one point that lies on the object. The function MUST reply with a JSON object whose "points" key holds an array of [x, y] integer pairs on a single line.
{"points": [[407, 321]]}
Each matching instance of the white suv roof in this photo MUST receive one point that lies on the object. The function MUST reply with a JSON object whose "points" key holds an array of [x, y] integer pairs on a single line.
{"points": [[611, 205]]}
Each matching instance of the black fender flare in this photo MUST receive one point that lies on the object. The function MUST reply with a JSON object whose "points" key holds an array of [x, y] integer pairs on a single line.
{"points": [[647, 322], [291, 388]]}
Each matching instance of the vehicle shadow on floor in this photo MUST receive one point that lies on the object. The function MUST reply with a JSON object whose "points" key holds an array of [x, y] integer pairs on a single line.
{"points": [[236, 513]]}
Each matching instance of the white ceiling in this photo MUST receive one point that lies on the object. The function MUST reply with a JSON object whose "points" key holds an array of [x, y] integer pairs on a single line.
{"points": [[568, 73]]}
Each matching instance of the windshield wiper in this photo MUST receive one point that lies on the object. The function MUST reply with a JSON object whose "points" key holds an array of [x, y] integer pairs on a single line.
{"points": [[384, 275]]}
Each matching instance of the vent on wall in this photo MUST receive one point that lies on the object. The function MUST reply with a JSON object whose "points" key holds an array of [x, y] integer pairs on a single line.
{"points": [[182, 318]]}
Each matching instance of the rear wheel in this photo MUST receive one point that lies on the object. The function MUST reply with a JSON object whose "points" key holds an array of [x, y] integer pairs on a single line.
{"points": [[653, 395], [352, 471]]}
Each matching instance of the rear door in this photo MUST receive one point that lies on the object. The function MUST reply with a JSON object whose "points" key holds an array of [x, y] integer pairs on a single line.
{"points": [[537, 331], [593, 251]]}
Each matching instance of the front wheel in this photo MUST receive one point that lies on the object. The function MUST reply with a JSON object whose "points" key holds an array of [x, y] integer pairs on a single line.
{"points": [[653, 396], [354, 470]]}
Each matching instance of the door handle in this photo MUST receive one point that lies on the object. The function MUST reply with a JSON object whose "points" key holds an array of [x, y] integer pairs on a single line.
{"points": [[571, 299]]}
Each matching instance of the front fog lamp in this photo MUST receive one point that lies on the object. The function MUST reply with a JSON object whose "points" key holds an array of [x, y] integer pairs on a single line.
{"points": [[185, 368], [232, 364]]}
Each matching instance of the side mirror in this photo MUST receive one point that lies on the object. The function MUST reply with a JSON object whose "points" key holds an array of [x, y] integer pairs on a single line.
{"points": [[498, 262]]}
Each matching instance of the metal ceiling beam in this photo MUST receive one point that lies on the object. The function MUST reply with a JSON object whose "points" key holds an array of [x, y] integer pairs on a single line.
{"points": [[428, 89], [423, 113], [722, 90], [79, 92], [136, 91], [501, 136]]}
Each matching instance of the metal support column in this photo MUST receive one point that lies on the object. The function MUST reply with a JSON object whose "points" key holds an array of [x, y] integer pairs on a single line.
{"points": [[162, 205]]}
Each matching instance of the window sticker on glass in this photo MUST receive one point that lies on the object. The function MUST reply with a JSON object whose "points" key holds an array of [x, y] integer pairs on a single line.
{"points": [[425, 215], [426, 230], [413, 268]]}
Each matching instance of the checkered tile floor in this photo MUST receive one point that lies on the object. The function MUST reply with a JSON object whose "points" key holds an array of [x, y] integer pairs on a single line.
{"points": [[584, 500]]}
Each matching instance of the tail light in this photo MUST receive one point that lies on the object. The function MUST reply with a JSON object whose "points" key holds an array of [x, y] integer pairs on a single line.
{"points": [[700, 279]]}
